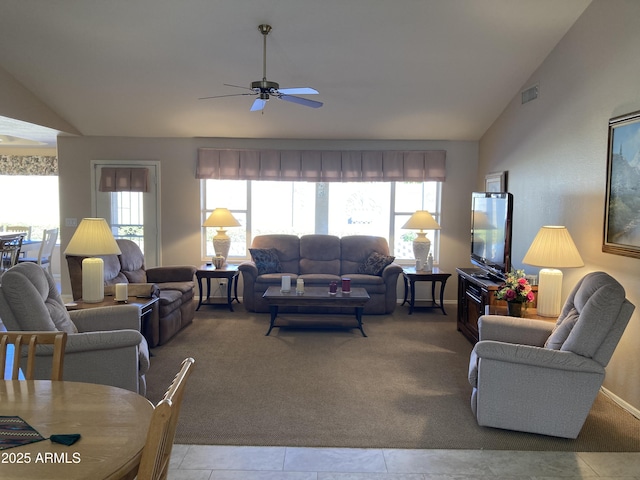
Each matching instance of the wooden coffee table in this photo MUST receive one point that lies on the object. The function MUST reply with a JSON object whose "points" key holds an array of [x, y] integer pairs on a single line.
{"points": [[316, 297]]}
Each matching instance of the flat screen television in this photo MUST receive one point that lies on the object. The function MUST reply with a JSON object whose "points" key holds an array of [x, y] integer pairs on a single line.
{"points": [[491, 215]]}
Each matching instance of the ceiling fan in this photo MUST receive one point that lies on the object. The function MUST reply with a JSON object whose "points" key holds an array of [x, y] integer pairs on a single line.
{"points": [[265, 89]]}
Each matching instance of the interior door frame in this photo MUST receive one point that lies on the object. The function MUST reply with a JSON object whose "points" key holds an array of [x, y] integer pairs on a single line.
{"points": [[96, 164]]}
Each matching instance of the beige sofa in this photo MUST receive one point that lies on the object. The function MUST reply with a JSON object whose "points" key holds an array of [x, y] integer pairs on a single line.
{"points": [[320, 259], [175, 287]]}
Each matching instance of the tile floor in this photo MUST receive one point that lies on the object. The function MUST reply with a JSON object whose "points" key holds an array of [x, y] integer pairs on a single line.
{"points": [[205, 462]]}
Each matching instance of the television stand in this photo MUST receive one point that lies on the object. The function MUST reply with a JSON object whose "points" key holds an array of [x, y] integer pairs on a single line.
{"points": [[476, 292]]}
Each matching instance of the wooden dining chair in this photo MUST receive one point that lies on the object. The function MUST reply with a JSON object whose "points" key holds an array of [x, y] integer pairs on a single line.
{"points": [[156, 454], [32, 340]]}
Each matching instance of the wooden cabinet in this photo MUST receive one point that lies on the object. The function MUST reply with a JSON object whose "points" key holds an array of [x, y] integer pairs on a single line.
{"points": [[475, 293]]}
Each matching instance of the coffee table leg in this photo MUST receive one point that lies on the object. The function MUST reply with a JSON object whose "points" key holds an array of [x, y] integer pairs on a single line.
{"points": [[274, 313], [359, 318]]}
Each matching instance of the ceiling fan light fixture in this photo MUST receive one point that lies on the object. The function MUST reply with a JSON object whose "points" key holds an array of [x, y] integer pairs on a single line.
{"points": [[264, 88]]}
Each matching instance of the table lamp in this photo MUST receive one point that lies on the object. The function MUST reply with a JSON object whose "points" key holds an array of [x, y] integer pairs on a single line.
{"points": [[221, 218], [552, 248], [421, 220], [93, 237]]}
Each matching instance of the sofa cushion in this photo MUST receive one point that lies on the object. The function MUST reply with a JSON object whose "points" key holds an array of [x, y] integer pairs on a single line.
{"points": [[286, 246], [375, 263], [319, 279], [183, 287], [266, 260], [320, 254], [355, 249], [112, 271]]}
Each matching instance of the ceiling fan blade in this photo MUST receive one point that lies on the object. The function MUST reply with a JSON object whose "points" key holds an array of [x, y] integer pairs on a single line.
{"points": [[298, 91], [236, 86], [258, 105], [301, 101], [222, 96]]}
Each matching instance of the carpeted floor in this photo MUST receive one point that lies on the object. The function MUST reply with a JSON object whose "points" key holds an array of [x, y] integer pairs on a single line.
{"points": [[404, 386]]}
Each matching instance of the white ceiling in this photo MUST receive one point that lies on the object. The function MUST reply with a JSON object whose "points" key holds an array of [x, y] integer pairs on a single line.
{"points": [[401, 69]]}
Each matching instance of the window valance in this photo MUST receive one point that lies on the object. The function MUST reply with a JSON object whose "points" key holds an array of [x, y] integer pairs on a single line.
{"points": [[28, 165], [322, 166], [124, 179]]}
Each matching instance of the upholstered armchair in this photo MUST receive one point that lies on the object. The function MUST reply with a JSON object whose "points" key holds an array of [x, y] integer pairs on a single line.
{"points": [[104, 345], [534, 376]]}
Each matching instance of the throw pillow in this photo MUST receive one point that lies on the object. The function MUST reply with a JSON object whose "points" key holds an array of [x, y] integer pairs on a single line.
{"points": [[266, 259], [375, 264]]}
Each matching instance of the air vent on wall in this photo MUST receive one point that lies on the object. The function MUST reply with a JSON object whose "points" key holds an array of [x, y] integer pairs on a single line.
{"points": [[529, 94]]}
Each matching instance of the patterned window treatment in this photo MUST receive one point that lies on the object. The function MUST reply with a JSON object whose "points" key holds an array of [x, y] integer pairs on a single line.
{"points": [[322, 166], [124, 180], [28, 165]]}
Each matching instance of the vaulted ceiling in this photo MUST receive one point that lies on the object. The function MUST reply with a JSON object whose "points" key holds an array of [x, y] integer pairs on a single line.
{"points": [[402, 69]]}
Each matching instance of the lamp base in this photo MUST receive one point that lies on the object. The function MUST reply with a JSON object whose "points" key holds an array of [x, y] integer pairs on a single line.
{"points": [[221, 244], [421, 248], [549, 302], [92, 280]]}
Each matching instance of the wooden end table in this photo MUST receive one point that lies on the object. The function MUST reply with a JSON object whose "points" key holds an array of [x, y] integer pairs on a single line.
{"points": [[316, 297], [208, 271], [411, 276]]}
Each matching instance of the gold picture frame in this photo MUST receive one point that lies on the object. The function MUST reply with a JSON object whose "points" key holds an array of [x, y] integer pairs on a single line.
{"points": [[621, 233]]}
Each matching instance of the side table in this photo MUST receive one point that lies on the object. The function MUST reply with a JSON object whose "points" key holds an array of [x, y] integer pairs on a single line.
{"points": [[147, 306], [411, 276], [208, 271]]}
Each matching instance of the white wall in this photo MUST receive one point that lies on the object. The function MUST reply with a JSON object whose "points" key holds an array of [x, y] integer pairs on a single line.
{"points": [[555, 152]]}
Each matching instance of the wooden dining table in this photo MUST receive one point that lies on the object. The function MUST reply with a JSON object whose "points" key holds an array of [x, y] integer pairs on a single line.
{"points": [[112, 422]]}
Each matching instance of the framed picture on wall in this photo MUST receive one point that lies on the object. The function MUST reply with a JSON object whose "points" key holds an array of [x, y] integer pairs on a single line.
{"points": [[495, 182], [622, 201]]}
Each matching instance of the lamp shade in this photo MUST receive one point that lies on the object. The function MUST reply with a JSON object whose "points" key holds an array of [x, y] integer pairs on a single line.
{"points": [[421, 220], [93, 237], [221, 217], [553, 247]]}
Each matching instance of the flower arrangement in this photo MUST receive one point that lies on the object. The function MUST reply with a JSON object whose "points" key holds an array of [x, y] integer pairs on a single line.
{"points": [[516, 288]]}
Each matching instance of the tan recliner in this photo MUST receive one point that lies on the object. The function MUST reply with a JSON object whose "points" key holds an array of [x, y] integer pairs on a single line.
{"points": [[104, 344], [534, 376]]}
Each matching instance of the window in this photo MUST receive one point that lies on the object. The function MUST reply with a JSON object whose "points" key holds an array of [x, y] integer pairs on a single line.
{"points": [[336, 208], [22, 207], [127, 216]]}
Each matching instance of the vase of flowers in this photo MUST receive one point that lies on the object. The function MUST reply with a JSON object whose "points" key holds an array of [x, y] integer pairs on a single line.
{"points": [[516, 291]]}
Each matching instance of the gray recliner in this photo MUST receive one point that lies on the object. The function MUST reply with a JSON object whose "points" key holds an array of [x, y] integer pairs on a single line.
{"points": [[533, 376], [104, 344]]}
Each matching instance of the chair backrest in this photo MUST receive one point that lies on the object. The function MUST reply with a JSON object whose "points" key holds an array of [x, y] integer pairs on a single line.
{"points": [[593, 318], [32, 340], [9, 251], [20, 229], [49, 239], [30, 301], [156, 454]]}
